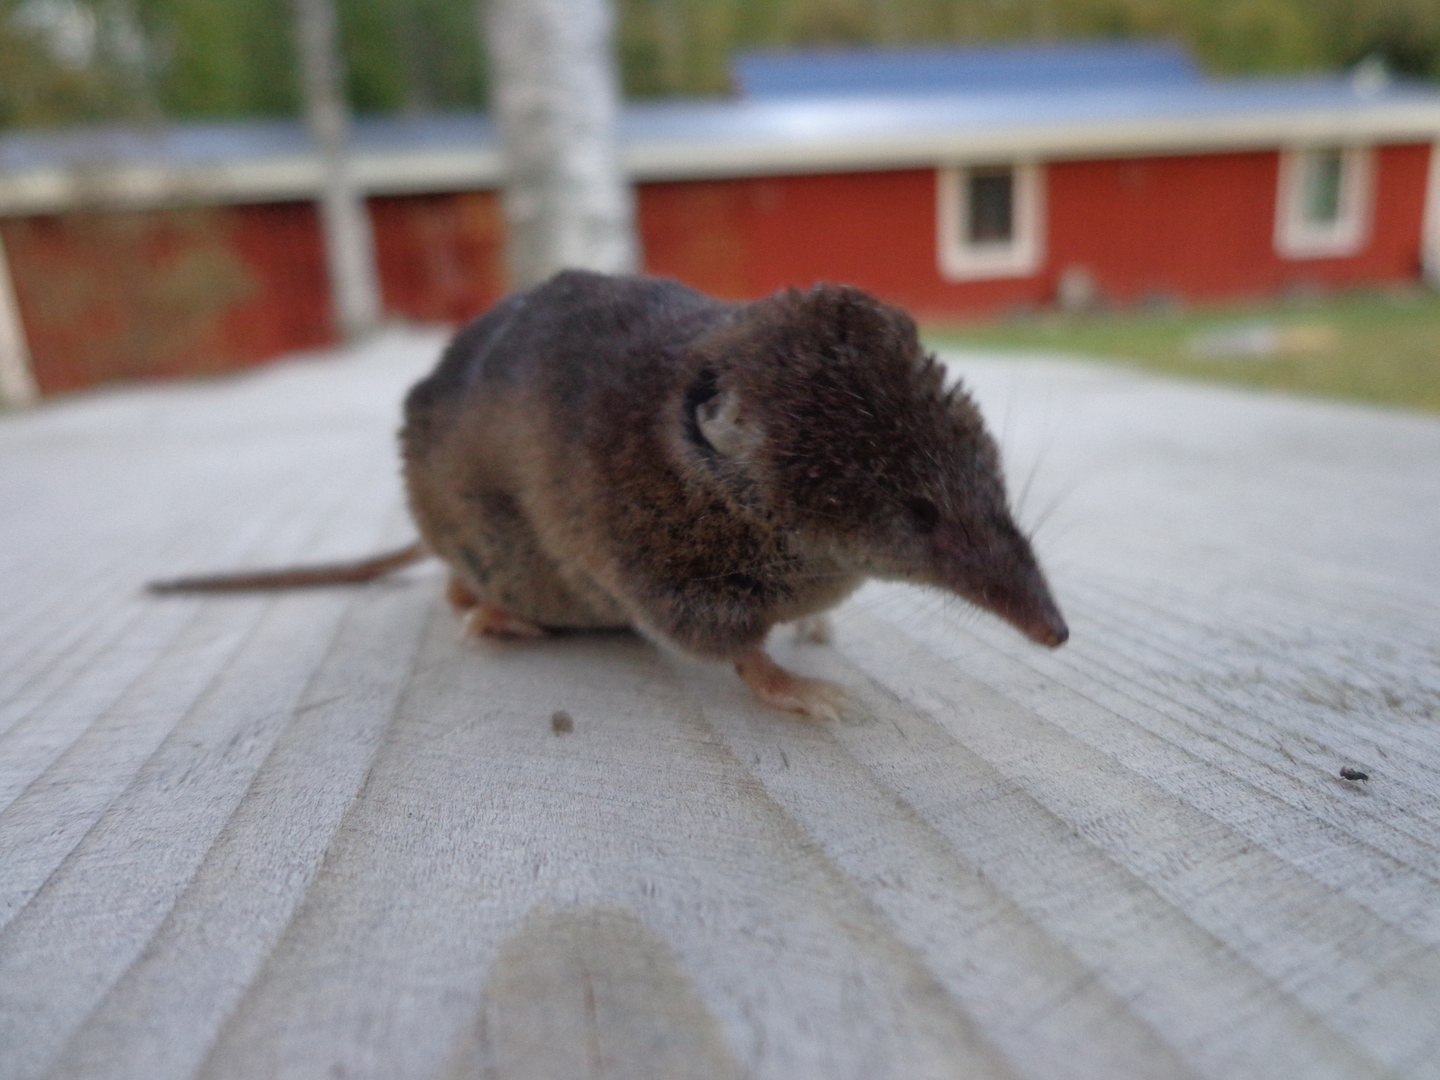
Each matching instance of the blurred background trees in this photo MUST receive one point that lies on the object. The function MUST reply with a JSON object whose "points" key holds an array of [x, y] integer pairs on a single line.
{"points": [[66, 61]]}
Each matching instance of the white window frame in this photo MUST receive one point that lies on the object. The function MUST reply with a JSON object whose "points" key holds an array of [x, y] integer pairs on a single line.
{"points": [[1020, 256], [1296, 238]]}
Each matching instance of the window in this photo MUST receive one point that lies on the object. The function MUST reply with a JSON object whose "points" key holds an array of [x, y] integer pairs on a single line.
{"points": [[1320, 189], [989, 220], [1323, 204]]}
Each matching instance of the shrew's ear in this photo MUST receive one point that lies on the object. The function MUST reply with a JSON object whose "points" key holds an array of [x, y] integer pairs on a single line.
{"points": [[725, 427], [715, 421]]}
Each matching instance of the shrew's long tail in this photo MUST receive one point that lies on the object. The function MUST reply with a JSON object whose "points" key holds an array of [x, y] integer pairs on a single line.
{"points": [[297, 577]]}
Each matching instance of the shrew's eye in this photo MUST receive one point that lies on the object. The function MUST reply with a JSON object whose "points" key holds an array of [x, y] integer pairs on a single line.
{"points": [[923, 513]]}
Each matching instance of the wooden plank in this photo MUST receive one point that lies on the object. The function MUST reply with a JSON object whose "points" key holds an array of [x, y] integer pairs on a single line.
{"points": [[319, 835], [401, 922], [158, 1018]]}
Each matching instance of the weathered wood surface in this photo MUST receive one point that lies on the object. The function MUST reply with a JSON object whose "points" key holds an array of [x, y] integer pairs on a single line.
{"points": [[315, 835]]}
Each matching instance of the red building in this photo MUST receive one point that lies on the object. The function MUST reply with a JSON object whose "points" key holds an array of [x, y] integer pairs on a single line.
{"points": [[952, 182]]}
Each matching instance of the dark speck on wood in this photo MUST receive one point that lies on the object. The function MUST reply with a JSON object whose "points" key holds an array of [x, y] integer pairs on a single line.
{"points": [[1348, 773]]}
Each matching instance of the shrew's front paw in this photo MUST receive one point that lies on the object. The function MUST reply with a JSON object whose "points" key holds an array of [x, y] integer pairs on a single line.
{"points": [[782, 689]]}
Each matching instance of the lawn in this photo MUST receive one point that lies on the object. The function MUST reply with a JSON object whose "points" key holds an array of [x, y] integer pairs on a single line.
{"points": [[1379, 347]]}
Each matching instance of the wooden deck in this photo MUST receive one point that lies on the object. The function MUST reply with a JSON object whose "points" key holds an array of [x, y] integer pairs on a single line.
{"points": [[315, 835]]}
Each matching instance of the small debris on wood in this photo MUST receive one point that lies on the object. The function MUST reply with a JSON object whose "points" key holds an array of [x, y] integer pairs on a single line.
{"points": [[1347, 773], [561, 723]]}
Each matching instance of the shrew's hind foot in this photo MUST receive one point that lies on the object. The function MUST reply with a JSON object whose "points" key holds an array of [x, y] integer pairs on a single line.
{"points": [[782, 689], [489, 620], [462, 600], [480, 618]]}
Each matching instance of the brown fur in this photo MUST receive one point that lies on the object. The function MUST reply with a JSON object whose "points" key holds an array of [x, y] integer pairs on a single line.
{"points": [[555, 459]]}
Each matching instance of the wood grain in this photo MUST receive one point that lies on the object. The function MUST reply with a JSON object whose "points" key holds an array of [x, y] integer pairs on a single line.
{"points": [[317, 834]]}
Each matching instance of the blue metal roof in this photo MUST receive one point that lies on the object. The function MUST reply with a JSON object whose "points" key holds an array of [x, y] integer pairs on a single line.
{"points": [[707, 121], [885, 116], [234, 140], [972, 70]]}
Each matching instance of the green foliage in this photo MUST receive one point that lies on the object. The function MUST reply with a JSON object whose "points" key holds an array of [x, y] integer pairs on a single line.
{"points": [[35, 91], [413, 55], [237, 58], [205, 58], [1405, 32], [682, 46], [216, 60], [39, 89]]}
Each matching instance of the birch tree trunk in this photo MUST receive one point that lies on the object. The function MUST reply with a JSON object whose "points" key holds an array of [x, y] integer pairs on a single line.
{"points": [[567, 202], [1430, 238], [17, 384], [344, 220]]}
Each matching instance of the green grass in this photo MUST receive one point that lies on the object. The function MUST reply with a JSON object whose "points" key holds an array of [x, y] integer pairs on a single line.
{"points": [[1374, 347]]}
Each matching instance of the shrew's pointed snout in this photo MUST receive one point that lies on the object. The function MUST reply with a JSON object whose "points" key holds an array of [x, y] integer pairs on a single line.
{"points": [[1050, 630], [1027, 605], [1022, 598], [1003, 577]]}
